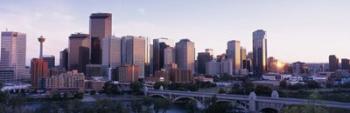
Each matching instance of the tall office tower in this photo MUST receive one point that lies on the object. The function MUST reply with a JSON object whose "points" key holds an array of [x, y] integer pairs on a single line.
{"points": [[111, 52], [111, 55], [169, 56], [259, 52], [185, 55], [41, 40], [243, 55], [50, 60], [64, 59], [202, 59], [148, 56], [78, 51], [345, 64], [158, 52], [333, 63], [39, 71], [13, 52], [100, 28], [234, 52], [133, 52]]}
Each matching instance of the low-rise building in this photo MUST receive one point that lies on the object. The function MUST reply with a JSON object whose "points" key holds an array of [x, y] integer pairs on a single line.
{"points": [[72, 81]]}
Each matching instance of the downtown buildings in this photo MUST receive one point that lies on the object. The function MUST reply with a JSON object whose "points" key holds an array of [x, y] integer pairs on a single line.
{"points": [[100, 28], [13, 56], [259, 53]]}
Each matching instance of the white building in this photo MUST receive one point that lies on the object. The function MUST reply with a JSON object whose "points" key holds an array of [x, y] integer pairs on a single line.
{"points": [[13, 52]]}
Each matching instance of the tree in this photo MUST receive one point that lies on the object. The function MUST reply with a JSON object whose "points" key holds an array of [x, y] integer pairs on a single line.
{"points": [[136, 87], [236, 89], [111, 89], [283, 84], [16, 103], [158, 84], [263, 90], [248, 86], [220, 107], [136, 106], [309, 108], [221, 91], [311, 84]]}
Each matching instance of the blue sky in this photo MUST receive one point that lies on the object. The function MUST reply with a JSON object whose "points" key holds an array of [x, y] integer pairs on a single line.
{"points": [[297, 30]]}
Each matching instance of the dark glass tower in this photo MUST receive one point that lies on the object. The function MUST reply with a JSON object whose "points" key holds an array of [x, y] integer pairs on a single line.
{"points": [[100, 27], [259, 53]]}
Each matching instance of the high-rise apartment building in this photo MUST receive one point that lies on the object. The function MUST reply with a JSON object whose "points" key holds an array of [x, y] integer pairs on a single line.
{"points": [[234, 52], [259, 52], [185, 55], [78, 51], [100, 28], [13, 52]]}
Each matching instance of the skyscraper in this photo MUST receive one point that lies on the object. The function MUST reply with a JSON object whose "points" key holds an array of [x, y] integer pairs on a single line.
{"points": [[39, 71], [345, 64], [158, 52], [185, 55], [133, 52], [259, 52], [50, 60], [243, 55], [78, 51], [100, 27], [111, 52], [64, 59], [333, 63], [202, 59], [234, 52], [13, 52], [169, 56]]}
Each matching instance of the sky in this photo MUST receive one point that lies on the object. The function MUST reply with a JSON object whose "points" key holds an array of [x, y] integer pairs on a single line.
{"points": [[297, 30]]}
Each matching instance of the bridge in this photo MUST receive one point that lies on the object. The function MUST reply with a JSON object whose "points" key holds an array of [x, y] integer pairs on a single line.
{"points": [[251, 103]]}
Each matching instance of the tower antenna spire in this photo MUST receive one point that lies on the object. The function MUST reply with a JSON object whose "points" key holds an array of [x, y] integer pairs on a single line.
{"points": [[41, 40]]}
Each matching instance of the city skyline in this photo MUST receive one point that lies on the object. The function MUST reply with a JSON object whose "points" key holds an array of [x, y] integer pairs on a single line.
{"points": [[320, 24]]}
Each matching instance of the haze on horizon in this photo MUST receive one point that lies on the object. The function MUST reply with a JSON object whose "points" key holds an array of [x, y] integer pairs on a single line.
{"points": [[297, 30]]}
